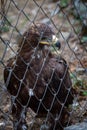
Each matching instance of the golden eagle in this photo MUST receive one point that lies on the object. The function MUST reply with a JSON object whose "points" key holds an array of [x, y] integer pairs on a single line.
{"points": [[39, 79]]}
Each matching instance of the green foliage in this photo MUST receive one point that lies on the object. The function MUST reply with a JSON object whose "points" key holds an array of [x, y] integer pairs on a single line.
{"points": [[74, 79], [84, 93], [78, 82], [4, 28], [84, 39], [64, 3]]}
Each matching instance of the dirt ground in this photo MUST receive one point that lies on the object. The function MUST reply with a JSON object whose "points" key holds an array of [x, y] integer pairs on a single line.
{"points": [[21, 15]]}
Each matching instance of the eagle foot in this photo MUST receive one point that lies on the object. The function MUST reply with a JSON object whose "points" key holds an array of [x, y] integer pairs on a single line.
{"points": [[44, 127], [20, 126]]}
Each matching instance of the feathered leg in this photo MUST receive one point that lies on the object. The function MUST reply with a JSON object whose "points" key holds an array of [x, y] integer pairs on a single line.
{"points": [[61, 122], [51, 124]]}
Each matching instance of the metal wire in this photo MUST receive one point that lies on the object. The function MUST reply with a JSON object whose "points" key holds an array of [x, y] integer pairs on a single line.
{"points": [[68, 25]]}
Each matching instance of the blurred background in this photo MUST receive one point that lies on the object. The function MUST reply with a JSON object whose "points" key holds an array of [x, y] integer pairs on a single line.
{"points": [[68, 18]]}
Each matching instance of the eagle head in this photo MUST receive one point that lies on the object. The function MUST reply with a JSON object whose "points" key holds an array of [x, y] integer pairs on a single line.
{"points": [[39, 35]]}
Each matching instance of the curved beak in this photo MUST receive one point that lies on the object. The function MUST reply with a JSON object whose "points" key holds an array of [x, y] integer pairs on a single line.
{"points": [[54, 41]]}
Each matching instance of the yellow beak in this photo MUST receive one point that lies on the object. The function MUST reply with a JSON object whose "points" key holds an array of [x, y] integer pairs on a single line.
{"points": [[44, 43], [54, 40]]}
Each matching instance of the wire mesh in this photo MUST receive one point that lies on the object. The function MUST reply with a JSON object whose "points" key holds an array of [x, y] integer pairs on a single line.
{"points": [[34, 97]]}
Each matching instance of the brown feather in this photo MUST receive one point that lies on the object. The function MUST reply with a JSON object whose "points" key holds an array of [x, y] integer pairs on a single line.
{"points": [[42, 77]]}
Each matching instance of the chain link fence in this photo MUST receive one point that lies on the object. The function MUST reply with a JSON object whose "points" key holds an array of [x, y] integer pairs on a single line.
{"points": [[68, 19]]}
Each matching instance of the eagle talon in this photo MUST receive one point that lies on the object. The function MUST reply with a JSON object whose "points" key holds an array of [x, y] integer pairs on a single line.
{"points": [[44, 127], [24, 127], [20, 126]]}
